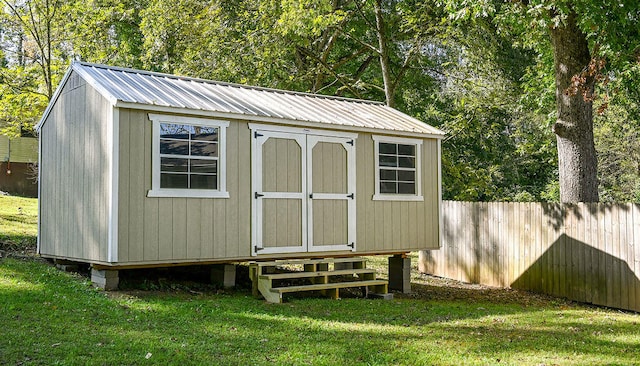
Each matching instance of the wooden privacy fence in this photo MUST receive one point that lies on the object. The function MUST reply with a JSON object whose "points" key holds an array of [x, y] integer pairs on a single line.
{"points": [[588, 252]]}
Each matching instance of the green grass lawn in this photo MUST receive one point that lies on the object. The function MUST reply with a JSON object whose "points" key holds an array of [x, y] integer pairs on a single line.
{"points": [[18, 223], [50, 317]]}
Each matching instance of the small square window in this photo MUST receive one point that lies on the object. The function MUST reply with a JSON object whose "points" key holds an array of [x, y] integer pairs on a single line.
{"points": [[397, 168]]}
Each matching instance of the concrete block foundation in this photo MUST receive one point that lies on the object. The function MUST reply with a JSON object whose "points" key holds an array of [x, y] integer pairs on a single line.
{"points": [[224, 274], [400, 273], [105, 279]]}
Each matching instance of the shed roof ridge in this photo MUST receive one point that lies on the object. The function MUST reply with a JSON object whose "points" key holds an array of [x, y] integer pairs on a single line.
{"points": [[224, 83]]}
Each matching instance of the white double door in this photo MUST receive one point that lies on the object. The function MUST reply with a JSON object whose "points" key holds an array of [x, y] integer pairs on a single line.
{"points": [[303, 185]]}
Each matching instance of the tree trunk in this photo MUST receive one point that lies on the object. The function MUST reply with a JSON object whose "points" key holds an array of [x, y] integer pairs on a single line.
{"points": [[389, 89], [577, 162]]}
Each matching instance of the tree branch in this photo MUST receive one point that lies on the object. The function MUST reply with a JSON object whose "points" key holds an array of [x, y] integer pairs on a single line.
{"points": [[330, 70]]}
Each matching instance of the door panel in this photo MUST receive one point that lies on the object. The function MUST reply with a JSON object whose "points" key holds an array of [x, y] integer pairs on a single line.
{"points": [[304, 192], [329, 168], [279, 222], [282, 223], [331, 185], [330, 224], [281, 165]]}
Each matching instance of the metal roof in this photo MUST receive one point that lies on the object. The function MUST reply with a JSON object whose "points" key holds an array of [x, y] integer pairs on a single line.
{"points": [[143, 89]]}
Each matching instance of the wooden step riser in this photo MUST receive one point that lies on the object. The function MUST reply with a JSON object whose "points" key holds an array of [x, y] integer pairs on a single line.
{"points": [[300, 275], [308, 261]]}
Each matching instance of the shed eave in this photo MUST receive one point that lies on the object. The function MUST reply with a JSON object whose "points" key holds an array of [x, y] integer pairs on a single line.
{"points": [[86, 77], [53, 100], [276, 120]]}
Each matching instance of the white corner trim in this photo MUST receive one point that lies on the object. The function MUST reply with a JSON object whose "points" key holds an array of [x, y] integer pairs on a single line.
{"points": [[113, 143], [38, 237]]}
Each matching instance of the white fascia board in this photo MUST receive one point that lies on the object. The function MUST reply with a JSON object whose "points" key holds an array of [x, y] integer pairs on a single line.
{"points": [[301, 130], [275, 120], [74, 67], [53, 100], [77, 67]]}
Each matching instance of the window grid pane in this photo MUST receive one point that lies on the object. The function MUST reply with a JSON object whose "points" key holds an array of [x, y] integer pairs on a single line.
{"points": [[397, 170], [188, 156]]}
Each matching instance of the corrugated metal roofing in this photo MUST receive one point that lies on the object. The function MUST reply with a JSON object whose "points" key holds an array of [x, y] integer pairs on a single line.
{"points": [[137, 87]]}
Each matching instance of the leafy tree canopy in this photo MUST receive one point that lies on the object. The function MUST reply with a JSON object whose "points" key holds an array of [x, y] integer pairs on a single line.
{"points": [[480, 70]]}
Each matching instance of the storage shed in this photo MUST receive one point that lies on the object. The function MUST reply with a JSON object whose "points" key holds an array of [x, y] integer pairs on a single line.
{"points": [[18, 162], [142, 169]]}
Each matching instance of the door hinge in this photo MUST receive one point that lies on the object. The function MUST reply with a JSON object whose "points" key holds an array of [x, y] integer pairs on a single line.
{"points": [[350, 142], [351, 196], [258, 195], [256, 249], [352, 245], [310, 195], [256, 134]]}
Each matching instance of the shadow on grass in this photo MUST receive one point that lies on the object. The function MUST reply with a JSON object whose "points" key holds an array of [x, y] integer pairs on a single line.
{"points": [[58, 318]]}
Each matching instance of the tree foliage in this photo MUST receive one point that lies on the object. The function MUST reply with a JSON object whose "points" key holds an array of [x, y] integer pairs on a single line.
{"points": [[481, 71], [590, 41]]}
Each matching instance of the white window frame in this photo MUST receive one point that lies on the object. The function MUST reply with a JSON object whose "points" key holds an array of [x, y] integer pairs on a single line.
{"points": [[397, 196], [156, 191]]}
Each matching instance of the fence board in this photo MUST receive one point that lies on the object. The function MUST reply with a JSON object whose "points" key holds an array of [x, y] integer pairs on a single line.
{"points": [[636, 254], [585, 252]]}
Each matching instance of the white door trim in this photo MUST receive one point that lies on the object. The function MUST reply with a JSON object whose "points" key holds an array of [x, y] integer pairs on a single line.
{"points": [[349, 145], [258, 138], [306, 139]]}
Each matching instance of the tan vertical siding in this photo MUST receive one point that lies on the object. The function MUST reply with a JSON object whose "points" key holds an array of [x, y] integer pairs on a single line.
{"points": [[238, 137], [180, 229], [151, 232], [387, 226], [74, 181]]}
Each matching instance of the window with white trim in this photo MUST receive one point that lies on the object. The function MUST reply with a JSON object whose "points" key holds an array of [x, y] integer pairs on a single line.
{"points": [[188, 157], [397, 168]]}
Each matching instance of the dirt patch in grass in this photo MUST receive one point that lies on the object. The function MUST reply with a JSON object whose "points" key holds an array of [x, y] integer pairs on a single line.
{"points": [[427, 287]]}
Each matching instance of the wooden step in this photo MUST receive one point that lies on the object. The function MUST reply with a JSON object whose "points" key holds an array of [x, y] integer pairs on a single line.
{"points": [[299, 274], [326, 286], [274, 295], [317, 271]]}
